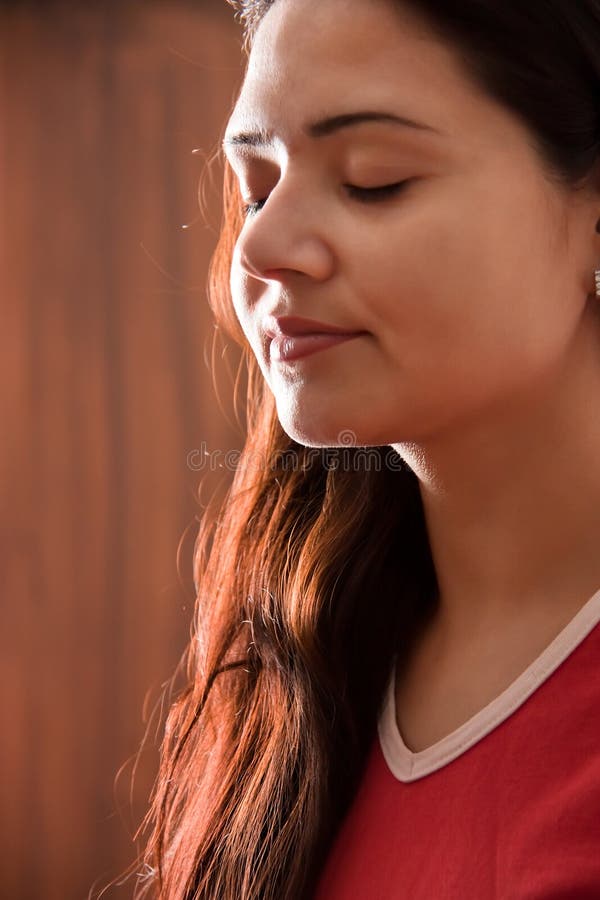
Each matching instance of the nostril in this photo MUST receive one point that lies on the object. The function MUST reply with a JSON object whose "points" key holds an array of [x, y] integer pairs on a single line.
{"points": [[273, 274]]}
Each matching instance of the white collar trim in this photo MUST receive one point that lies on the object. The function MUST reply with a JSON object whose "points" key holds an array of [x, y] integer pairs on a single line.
{"points": [[407, 766]]}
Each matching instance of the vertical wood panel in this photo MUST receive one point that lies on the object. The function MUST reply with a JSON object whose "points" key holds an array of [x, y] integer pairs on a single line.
{"points": [[105, 333]]}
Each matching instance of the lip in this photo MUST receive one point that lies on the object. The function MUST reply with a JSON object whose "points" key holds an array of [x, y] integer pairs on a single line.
{"points": [[292, 326], [285, 348]]}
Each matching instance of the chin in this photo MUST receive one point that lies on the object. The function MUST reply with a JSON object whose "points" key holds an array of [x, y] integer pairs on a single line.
{"points": [[308, 437], [314, 431]]}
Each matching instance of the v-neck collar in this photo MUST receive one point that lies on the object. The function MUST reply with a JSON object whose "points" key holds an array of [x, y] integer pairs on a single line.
{"points": [[407, 765]]}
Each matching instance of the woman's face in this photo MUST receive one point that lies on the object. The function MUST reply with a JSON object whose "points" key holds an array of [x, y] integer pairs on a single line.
{"points": [[467, 284]]}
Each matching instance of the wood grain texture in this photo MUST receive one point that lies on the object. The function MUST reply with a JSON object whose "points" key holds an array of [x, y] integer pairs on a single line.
{"points": [[105, 339]]}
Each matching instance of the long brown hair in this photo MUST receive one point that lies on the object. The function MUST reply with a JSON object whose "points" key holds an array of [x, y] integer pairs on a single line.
{"points": [[314, 571]]}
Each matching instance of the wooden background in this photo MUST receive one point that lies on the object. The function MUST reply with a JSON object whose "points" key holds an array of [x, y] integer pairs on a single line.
{"points": [[106, 390]]}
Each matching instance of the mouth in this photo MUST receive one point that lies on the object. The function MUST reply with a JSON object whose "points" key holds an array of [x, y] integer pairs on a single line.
{"points": [[291, 348]]}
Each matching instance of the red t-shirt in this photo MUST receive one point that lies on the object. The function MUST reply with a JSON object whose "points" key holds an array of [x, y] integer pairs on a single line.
{"points": [[506, 807]]}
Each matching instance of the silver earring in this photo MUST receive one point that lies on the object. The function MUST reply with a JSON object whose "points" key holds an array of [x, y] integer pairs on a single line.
{"points": [[597, 277]]}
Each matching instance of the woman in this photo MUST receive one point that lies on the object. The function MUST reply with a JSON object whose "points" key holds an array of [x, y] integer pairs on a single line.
{"points": [[392, 687]]}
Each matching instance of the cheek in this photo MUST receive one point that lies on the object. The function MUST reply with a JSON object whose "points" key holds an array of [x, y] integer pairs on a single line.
{"points": [[237, 288], [242, 304], [464, 316], [461, 279]]}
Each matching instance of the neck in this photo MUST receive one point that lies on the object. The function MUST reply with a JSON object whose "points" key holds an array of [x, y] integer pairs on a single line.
{"points": [[512, 499]]}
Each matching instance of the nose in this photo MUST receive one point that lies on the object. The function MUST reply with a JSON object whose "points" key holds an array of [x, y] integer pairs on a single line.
{"points": [[289, 234]]}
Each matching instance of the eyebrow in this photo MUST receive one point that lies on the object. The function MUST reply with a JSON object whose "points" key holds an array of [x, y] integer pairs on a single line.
{"points": [[324, 127]]}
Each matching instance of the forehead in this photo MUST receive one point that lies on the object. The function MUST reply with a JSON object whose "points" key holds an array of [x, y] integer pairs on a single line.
{"points": [[313, 57]]}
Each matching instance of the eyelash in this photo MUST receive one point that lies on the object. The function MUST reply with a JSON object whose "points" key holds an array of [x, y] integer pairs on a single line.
{"points": [[364, 195]]}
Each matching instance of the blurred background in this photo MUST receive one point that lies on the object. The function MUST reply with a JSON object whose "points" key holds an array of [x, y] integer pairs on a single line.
{"points": [[107, 393]]}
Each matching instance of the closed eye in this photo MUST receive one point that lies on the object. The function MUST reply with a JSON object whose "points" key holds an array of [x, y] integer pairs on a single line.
{"points": [[364, 195], [373, 195]]}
